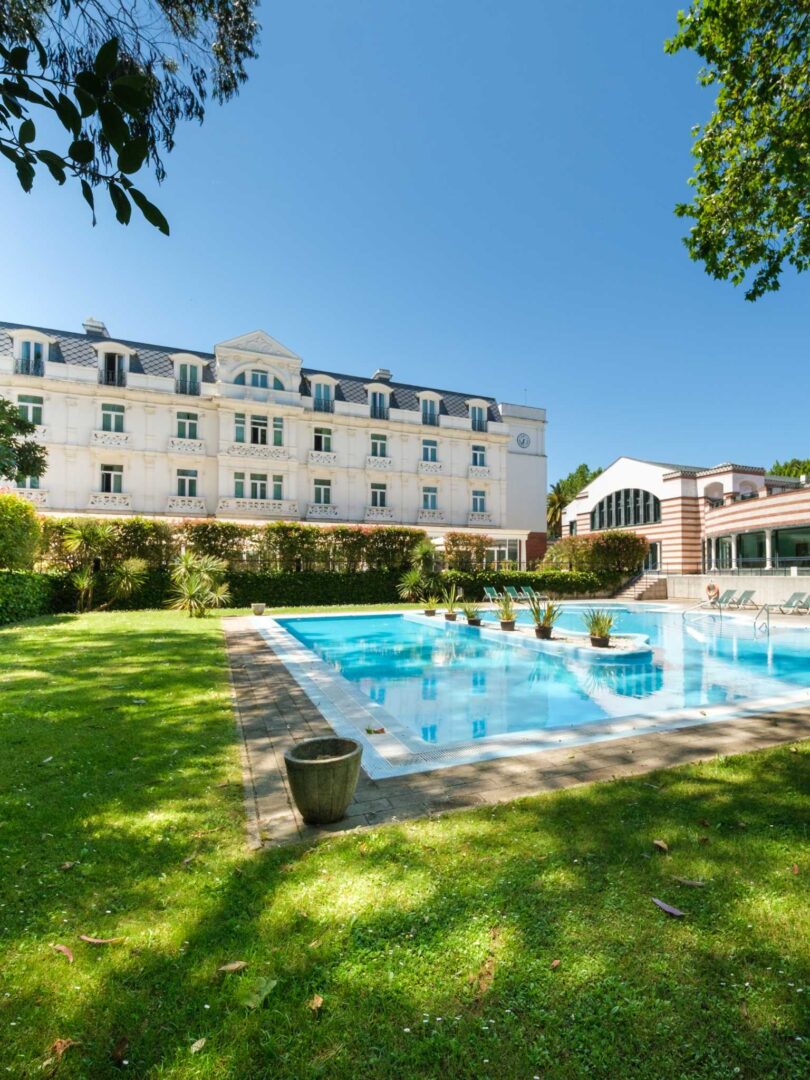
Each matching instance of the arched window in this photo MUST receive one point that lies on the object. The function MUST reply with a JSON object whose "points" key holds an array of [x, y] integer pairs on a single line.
{"points": [[628, 507]]}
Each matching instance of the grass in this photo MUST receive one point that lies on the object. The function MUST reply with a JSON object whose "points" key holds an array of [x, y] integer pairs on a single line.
{"points": [[432, 943]]}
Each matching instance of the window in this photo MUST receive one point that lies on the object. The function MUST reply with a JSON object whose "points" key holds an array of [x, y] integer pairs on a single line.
{"points": [[572, 528], [379, 446], [628, 507], [30, 483], [260, 379], [112, 477], [187, 482], [258, 485], [378, 405], [430, 450], [239, 485], [188, 379], [430, 498], [322, 400], [30, 408], [379, 495], [31, 358], [323, 492], [479, 455], [278, 431], [478, 417], [239, 427], [430, 411], [323, 439], [187, 425], [112, 371], [479, 502], [258, 430], [112, 418], [278, 487]]}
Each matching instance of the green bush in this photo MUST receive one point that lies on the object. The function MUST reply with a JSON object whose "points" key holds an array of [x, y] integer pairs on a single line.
{"points": [[311, 587], [554, 582], [19, 533], [23, 595]]}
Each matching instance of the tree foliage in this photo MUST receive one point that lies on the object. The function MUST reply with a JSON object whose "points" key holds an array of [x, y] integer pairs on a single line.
{"points": [[561, 494], [795, 467], [117, 77], [751, 206], [19, 454]]}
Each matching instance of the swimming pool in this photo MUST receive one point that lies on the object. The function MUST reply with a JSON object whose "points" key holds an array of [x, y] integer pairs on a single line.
{"points": [[447, 693]]}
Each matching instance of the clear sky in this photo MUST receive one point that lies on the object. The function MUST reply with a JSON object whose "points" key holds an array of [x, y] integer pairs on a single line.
{"points": [[476, 194]]}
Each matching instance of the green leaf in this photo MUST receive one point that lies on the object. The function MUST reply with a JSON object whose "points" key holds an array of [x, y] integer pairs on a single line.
{"points": [[133, 155], [25, 174], [27, 132], [87, 102], [149, 211], [133, 93], [106, 58], [113, 125], [42, 56], [123, 207], [18, 58], [69, 115], [90, 83], [54, 163], [87, 193], [252, 993], [82, 151], [13, 106]]}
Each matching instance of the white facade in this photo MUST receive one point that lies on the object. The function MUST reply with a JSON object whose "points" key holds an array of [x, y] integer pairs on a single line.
{"points": [[247, 433]]}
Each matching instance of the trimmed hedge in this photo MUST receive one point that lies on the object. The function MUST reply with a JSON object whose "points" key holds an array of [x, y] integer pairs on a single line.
{"points": [[311, 587], [24, 595], [554, 582]]}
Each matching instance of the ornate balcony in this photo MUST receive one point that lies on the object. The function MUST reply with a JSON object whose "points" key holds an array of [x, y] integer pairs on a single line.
{"points": [[322, 511], [431, 468], [379, 464], [186, 446], [109, 500], [258, 450], [29, 367], [185, 504], [379, 513], [110, 439], [479, 472], [479, 517], [322, 457], [276, 508], [36, 496], [431, 517]]}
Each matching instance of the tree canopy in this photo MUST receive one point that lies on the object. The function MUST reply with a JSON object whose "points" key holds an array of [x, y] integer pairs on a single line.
{"points": [[795, 467], [751, 205], [563, 491], [19, 454], [118, 77]]}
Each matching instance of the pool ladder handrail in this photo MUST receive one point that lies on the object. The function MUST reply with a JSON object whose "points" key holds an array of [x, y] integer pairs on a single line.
{"points": [[763, 627], [706, 608]]}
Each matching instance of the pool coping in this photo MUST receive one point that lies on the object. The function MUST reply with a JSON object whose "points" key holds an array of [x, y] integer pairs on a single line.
{"points": [[399, 751]]}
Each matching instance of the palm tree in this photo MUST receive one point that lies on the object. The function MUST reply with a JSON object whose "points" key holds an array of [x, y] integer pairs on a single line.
{"points": [[557, 502]]}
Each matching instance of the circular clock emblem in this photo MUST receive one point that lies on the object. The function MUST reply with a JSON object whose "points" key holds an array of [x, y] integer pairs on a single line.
{"points": [[523, 440]]}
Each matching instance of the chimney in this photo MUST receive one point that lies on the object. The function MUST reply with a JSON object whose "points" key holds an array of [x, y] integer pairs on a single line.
{"points": [[382, 374], [95, 327]]}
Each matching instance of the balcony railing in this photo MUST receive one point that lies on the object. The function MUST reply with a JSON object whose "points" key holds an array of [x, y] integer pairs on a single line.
{"points": [[322, 510], [29, 367], [187, 386], [479, 425], [278, 508], [378, 412], [430, 418], [112, 378], [323, 404]]}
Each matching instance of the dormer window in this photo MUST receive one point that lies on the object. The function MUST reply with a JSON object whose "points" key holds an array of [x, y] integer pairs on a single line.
{"points": [[31, 349], [187, 373], [378, 404], [478, 414], [430, 410], [113, 369], [322, 400], [258, 378]]}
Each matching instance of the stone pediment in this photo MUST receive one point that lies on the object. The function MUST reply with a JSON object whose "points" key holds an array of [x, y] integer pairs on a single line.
{"points": [[258, 343]]}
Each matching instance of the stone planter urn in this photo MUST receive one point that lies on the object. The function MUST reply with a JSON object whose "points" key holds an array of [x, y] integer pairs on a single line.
{"points": [[473, 622], [507, 624], [323, 776], [543, 632], [600, 642], [258, 609], [450, 616]]}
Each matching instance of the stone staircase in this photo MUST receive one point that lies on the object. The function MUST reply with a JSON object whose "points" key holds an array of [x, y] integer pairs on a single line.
{"points": [[651, 586]]}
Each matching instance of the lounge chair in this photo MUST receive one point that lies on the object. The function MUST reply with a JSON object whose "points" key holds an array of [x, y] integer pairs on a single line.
{"points": [[721, 601], [797, 602], [528, 593], [743, 600], [491, 594], [513, 594]]}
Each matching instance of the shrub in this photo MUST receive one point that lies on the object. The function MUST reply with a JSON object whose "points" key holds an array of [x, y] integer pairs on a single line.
{"points": [[465, 551], [311, 587], [618, 552], [226, 540], [553, 582], [19, 533], [23, 595]]}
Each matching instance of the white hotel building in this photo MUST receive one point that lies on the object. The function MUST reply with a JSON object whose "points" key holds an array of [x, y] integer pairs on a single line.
{"points": [[247, 433]]}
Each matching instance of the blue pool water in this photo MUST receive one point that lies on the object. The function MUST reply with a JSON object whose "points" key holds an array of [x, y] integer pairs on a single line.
{"points": [[449, 685]]}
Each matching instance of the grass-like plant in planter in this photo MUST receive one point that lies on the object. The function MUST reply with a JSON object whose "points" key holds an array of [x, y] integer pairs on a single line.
{"points": [[544, 616], [472, 613], [431, 603], [599, 624], [451, 601], [506, 612]]}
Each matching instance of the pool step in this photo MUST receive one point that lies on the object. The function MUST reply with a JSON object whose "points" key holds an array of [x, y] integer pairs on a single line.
{"points": [[644, 587]]}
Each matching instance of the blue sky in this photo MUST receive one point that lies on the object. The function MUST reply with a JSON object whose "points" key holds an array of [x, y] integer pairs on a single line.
{"points": [[476, 195]]}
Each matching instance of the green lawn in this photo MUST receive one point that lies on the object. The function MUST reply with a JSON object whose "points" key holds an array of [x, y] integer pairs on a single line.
{"points": [[433, 944]]}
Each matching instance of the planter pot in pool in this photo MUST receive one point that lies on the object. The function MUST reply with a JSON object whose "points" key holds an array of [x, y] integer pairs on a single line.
{"points": [[507, 624], [600, 642], [473, 622], [450, 616], [323, 775], [430, 612], [258, 609], [543, 632]]}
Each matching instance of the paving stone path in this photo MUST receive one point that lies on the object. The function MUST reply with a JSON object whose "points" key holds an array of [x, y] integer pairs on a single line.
{"points": [[273, 712]]}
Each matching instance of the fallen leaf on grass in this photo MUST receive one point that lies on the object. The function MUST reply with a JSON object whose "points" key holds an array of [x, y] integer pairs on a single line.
{"points": [[662, 845], [46, 760], [197, 1046], [705, 823], [673, 911], [555, 964], [703, 840], [119, 1050], [67, 865], [689, 882], [315, 1003], [100, 940], [64, 950], [234, 965], [188, 859], [314, 944], [795, 868], [61, 1045], [252, 994], [375, 731]]}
